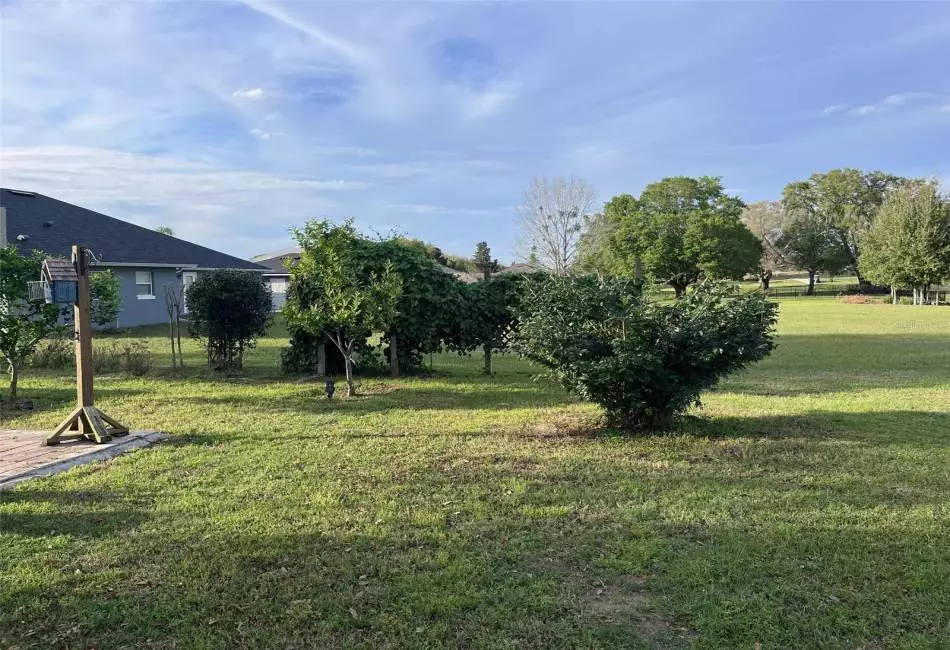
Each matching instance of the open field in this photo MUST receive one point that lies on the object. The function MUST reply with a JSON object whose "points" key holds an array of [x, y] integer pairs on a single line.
{"points": [[806, 506]]}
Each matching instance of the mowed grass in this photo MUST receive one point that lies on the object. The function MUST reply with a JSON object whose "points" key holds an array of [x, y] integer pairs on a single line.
{"points": [[805, 506]]}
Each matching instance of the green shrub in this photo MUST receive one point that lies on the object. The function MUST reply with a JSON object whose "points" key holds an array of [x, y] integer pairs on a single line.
{"points": [[645, 361], [228, 310], [137, 358], [106, 358], [106, 298], [54, 354]]}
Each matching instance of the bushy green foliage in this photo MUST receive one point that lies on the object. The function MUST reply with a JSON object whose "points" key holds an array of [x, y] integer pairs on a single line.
{"points": [[487, 317], [54, 354], [909, 242], [645, 362], [678, 231], [337, 294], [106, 300], [845, 201], [23, 322], [228, 311], [809, 244]]}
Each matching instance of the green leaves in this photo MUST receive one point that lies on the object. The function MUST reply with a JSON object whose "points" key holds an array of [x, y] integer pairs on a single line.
{"points": [[909, 242], [23, 322], [679, 230], [228, 310], [645, 362], [106, 300]]}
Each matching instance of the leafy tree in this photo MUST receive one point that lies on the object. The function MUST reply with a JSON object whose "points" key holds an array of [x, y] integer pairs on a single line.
{"points": [[228, 310], [846, 201], [595, 252], [767, 220], [484, 263], [487, 319], [335, 295], [553, 214], [460, 263], [166, 230], [427, 305], [908, 243], [808, 244], [23, 322], [680, 230], [645, 362], [431, 251], [106, 299]]}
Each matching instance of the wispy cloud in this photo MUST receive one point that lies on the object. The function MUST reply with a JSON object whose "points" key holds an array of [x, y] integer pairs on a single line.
{"points": [[834, 108], [250, 93], [891, 102], [232, 121]]}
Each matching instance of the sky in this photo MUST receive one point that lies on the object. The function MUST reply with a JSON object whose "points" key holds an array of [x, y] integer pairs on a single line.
{"points": [[232, 122]]}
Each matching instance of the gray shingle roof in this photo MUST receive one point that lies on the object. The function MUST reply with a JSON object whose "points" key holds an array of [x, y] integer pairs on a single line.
{"points": [[38, 222]]}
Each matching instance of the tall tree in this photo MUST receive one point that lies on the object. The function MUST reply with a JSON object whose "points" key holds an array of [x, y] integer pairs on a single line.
{"points": [[846, 201], [553, 214], [166, 230], [808, 244], [680, 230], [106, 297], [767, 220], [24, 322], [909, 242], [595, 254], [332, 297], [484, 263]]}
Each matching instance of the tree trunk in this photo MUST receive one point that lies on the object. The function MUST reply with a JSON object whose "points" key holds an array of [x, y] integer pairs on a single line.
{"points": [[181, 358], [14, 379], [811, 284], [171, 338], [488, 368], [393, 357], [764, 280], [679, 288], [350, 384], [893, 294]]}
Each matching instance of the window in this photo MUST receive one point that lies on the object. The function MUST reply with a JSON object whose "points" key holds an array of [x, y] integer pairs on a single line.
{"points": [[143, 285], [278, 285]]}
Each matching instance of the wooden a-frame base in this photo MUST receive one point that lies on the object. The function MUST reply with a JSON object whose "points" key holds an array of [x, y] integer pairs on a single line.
{"points": [[86, 423]]}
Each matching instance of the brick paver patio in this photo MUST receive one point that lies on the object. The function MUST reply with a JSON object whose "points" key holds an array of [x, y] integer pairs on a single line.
{"points": [[23, 455]]}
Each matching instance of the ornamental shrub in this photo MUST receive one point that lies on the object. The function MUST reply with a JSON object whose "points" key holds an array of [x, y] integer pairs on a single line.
{"points": [[644, 360], [228, 311]]}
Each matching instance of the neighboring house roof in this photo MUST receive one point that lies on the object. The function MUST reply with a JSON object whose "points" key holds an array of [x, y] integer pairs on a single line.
{"points": [[274, 261], [519, 268], [38, 222], [464, 276]]}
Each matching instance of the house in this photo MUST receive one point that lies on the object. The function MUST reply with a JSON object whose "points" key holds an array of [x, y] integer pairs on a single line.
{"points": [[277, 277], [145, 261]]}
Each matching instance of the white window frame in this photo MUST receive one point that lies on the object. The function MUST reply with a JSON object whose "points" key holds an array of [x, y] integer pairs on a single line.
{"points": [[187, 279], [151, 285]]}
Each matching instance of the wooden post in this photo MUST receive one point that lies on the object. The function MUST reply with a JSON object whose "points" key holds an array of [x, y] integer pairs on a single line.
{"points": [[86, 421], [83, 320]]}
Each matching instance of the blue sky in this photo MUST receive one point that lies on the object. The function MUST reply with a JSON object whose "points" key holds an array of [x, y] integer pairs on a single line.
{"points": [[233, 121]]}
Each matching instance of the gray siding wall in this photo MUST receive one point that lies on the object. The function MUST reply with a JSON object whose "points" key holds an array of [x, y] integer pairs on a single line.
{"points": [[137, 311]]}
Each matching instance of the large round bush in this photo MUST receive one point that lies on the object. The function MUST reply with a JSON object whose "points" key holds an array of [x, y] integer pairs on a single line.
{"points": [[228, 310], [645, 361]]}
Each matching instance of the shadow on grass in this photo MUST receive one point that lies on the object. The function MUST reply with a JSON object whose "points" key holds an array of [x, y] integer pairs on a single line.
{"points": [[57, 399], [842, 363], [875, 427], [76, 513]]}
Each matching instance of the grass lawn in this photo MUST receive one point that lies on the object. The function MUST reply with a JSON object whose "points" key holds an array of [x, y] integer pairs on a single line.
{"points": [[806, 506]]}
